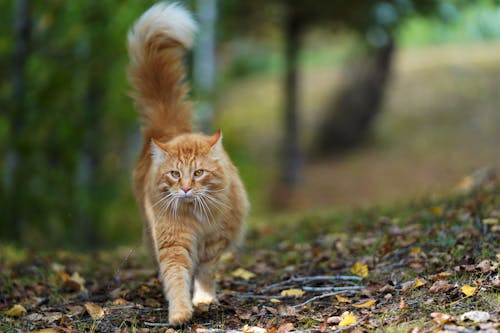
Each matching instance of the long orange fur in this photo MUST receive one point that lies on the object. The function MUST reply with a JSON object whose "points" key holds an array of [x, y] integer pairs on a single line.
{"points": [[192, 199]]}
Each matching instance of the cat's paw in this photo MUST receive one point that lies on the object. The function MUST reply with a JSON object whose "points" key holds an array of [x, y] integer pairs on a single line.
{"points": [[178, 317], [202, 300]]}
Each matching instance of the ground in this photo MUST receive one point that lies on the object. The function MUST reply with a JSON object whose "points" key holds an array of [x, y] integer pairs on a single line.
{"points": [[418, 267]]}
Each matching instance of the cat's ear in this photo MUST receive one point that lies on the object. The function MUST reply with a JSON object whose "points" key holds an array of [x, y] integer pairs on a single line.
{"points": [[158, 152], [216, 142]]}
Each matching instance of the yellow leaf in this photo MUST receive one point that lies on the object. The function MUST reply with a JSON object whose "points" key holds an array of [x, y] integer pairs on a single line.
{"points": [[366, 304], [16, 311], [415, 250], [95, 311], [342, 299], [243, 274], [348, 319], [46, 330], [437, 210], [468, 290], [418, 283], [292, 292], [359, 269], [490, 220], [274, 300]]}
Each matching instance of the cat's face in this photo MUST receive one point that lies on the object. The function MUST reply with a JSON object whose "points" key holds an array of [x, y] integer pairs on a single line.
{"points": [[189, 173]]}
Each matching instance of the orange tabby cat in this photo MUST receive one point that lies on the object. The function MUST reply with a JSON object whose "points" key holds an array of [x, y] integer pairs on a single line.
{"points": [[192, 199]]}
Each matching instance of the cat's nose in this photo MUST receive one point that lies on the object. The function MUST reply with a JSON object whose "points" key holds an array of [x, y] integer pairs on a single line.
{"points": [[186, 189]]}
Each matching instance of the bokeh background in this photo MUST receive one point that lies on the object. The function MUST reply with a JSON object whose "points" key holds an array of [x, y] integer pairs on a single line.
{"points": [[324, 105]]}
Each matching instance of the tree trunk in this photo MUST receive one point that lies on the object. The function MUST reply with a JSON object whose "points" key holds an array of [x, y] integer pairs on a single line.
{"points": [[292, 160], [204, 63], [350, 115], [14, 173]]}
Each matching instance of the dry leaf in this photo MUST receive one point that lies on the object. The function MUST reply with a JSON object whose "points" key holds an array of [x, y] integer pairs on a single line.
{"points": [[441, 276], [274, 300], [440, 318], [285, 328], [16, 311], [294, 292], [46, 330], [359, 269], [468, 290], [366, 304], [476, 316], [348, 319], [243, 274], [485, 266], [253, 329], [402, 304], [440, 286], [95, 311], [418, 283], [342, 299]]}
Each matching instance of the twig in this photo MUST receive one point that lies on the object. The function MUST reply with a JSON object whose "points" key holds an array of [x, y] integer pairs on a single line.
{"points": [[250, 295], [147, 323], [322, 296], [312, 279], [332, 288], [457, 329]]}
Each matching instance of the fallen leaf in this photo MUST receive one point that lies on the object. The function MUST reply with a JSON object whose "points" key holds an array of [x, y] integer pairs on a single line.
{"points": [[294, 292], [441, 276], [468, 290], [402, 304], [274, 300], [485, 266], [490, 221], [414, 251], [16, 311], [366, 304], [46, 330], [359, 269], [342, 299], [440, 318], [440, 286], [348, 319], [243, 274], [253, 329], [476, 316], [95, 311], [285, 328], [437, 210], [418, 283]]}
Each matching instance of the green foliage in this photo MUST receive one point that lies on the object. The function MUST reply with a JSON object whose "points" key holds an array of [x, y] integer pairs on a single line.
{"points": [[69, 141]]}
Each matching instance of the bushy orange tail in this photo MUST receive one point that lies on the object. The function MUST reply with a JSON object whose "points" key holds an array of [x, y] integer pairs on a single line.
{"points": [[156, 72]]}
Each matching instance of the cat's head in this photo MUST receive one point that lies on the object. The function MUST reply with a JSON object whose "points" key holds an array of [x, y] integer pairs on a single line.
{"points": [[189, 170]]}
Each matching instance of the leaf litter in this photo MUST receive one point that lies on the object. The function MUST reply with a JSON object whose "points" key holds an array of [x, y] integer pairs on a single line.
{"points": [[432, 267]]}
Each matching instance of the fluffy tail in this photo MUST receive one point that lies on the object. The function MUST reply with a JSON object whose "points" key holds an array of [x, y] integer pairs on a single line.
{"points": [[156, 44]]}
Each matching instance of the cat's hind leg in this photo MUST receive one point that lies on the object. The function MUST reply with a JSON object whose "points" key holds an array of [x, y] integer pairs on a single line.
{"points": [[204, 280]]}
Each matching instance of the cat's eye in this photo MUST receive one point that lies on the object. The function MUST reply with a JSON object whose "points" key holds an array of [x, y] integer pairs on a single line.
{"points": [[175, 174], [199, 172]]}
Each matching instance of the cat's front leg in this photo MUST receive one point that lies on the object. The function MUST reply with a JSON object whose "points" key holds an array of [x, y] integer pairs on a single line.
{"points": [[176, 267]]}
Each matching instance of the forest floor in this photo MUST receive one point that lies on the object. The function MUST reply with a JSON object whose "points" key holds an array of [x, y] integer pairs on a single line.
{"points": [[427, 266]]}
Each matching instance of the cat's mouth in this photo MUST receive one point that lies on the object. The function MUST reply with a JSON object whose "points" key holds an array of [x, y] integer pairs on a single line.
{"points": [[187, 198]]}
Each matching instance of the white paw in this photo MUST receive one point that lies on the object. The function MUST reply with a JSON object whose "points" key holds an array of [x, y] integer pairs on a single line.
{"points": [[202, 300]]}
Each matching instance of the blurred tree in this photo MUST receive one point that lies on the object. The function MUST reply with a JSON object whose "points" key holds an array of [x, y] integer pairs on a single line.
{"points": [[70, 126], [375, 20]]}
